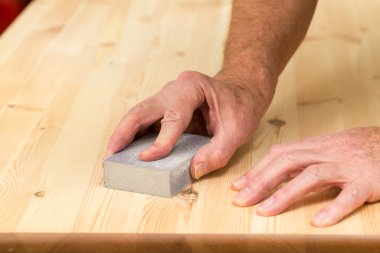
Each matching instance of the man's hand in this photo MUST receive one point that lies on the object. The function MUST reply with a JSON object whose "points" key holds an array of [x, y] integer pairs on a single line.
{"points": [[220, 107], [263, 36], [349, 160]]}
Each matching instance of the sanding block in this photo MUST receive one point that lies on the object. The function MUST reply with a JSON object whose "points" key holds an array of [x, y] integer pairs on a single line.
{"points": [[165, 177]]}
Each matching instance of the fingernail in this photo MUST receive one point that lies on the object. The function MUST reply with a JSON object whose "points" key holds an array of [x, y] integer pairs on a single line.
{"points": [[239, 182], [242, 196], [321, 218], [200, 170], [266, 205]]}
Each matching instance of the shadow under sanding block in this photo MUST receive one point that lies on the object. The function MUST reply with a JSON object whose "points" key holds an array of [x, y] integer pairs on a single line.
{"points": [[164, 177]]}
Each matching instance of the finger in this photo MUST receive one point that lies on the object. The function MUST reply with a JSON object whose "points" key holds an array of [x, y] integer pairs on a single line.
{"points": [[350, 198], [173, 125], [176, 119], [214, 155], [313, 178], [309, 144], [274, 152], [138, 118], [239, 183], [282, 168]]}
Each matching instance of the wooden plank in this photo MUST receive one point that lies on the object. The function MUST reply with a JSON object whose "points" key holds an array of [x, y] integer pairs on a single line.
{"points": [[69, 70]]}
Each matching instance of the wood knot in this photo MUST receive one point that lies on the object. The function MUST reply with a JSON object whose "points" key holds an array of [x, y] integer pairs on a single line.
{"points": [[108, 44], [189, 193], [180, 53], [277, 122], [39, 194], [146, 18], [54, 29]]}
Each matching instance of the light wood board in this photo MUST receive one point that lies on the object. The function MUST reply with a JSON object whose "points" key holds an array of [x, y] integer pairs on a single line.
{"points": [[70, 69]]}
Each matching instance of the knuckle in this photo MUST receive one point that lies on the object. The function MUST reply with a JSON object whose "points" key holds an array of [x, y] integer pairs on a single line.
{"points": [[284, 191], [186, 75], [166, 87], [288, 156], [219, 156], [133, 116], [259, 182], [277, 149], [251, 173], [195, 79], [138, 109], [282, 198], [315, 172], [116, 137], [353, 193], [137, 113], [189, 87], [173, 116], [222, 157]]}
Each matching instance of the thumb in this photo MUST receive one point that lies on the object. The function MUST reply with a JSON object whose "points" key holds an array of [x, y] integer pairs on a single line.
{"points": [[213, 155]]}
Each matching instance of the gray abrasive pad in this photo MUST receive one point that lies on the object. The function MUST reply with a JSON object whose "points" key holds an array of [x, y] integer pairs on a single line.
{"points": [[164, 177]]}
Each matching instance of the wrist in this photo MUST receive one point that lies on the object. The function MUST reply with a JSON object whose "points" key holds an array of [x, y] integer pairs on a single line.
{"points": [[257, 80]]}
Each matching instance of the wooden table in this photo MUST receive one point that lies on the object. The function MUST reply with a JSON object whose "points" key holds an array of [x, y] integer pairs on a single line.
{"points": [[70, 69]]}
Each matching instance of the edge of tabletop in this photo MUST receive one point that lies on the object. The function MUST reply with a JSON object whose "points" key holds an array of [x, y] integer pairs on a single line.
{"points": [[44, 242]]}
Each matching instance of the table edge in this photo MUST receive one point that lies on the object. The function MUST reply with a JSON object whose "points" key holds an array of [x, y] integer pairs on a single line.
{"points": [[137, 242]]}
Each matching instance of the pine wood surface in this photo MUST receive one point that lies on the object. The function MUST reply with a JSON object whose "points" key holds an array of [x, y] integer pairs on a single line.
{"points": [[70, 69]]}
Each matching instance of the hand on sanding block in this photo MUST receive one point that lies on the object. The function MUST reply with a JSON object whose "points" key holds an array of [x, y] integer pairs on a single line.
{"points": [[165, 177]]}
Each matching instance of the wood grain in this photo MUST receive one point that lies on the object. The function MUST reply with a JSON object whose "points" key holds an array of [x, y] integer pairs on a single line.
{"points": [[70, 69]]}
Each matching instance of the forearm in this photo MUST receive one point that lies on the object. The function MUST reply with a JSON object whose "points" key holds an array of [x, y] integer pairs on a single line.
{"points": [[263, 36]]}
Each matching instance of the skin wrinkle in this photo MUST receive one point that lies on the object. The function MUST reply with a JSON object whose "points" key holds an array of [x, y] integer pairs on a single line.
{"points": [[214, 105], [171, 116]]}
